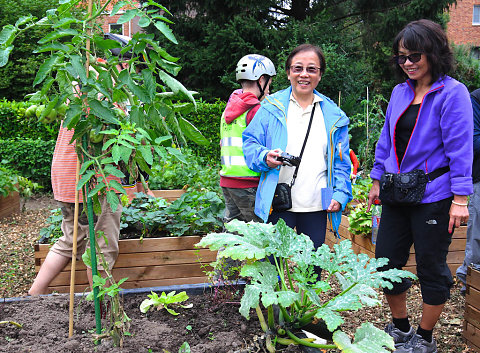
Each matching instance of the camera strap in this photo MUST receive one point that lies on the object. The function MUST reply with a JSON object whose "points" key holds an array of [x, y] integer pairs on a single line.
{"points": [[303, 147]]}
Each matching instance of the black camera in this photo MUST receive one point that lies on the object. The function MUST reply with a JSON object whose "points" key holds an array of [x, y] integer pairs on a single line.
{"points": [[289, 160]]}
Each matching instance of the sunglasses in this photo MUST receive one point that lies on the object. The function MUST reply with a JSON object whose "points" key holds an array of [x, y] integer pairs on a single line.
{"points": [[299, 69], [413, 58]]}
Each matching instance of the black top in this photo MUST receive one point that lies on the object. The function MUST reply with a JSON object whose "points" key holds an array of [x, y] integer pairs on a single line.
{"points": [[404, 129]]}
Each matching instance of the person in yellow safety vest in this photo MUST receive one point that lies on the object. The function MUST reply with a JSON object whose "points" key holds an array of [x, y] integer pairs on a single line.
{"points": [[238, 182]]}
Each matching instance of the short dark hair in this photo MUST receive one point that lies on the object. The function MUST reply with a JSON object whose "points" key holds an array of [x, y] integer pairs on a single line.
{"points": [[307, 47], [429, 38]]}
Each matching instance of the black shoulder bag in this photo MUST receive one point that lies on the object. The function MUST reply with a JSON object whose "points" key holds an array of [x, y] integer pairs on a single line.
{"points": [[403, 189], [282, 199]]}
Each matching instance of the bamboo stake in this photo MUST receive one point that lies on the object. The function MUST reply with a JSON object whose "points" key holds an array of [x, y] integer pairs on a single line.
{"points": [[339, 99], [75, 218]]}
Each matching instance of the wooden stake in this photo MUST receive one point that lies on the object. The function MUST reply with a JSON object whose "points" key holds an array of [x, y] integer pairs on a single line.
{"points": [[75, 218]]}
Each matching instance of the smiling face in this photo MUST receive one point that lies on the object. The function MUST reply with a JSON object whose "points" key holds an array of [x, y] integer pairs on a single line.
{"points": [[303, 83], [419, 71]]}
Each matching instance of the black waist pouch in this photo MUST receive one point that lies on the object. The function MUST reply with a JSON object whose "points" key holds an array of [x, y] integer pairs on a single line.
{"points": [[406, 188], [282, 199]]}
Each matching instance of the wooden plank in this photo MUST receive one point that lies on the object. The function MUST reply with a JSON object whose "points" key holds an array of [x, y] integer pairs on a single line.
{"points": [[472, 315], [169, 195], [473, 278], [137, 284], [147, 245], [472, 297], [453, 257], [154, 259], [471, 335], [10, 204]]}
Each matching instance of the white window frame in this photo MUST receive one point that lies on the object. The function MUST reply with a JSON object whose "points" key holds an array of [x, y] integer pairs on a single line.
{"points": [[114, 24], [476, 15]]}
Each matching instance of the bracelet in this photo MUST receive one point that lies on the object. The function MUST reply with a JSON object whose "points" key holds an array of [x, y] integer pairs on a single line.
{"points": [[459, 204]]}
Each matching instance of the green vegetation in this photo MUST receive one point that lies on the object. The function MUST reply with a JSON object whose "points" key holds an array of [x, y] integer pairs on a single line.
{"points": [[360, 221], [164, 300], [290, 283]]}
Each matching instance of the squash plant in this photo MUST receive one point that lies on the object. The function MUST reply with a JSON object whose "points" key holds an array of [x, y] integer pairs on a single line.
{"points": [[296, 290]]}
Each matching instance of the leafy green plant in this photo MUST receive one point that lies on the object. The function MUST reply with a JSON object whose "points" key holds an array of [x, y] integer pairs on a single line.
{"points": [[296, 290], [164, 301], [8, 181], [31, 158], [365, 129], [195, 212], [184, 348], [360, 220], [194, 172], [108, 291], [52, 231]]}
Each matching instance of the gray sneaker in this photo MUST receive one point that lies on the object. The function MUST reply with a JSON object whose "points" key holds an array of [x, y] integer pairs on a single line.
{"points": [[399, 337], [417, 344]]}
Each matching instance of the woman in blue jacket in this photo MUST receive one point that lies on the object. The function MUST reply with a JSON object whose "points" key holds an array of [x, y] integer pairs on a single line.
{"points": [[428, 127], [322, 184]]}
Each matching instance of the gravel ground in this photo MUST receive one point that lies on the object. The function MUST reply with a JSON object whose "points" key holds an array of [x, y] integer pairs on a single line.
{"points": [[18, 234]]}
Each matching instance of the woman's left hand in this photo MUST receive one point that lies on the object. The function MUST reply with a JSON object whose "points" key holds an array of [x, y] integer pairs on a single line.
{"points": [[334, 206], [458, 213]]}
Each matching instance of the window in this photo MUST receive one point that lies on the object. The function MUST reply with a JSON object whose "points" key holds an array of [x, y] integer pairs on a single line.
{"points": [[475, 53], [116, 28], [476, 15]]}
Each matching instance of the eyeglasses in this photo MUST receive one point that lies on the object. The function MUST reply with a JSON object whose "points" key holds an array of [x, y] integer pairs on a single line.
{"points": [[299, 69], [413, 58]]}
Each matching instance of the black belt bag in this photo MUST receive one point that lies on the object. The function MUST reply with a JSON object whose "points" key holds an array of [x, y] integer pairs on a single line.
{"points": [[406, 188]]}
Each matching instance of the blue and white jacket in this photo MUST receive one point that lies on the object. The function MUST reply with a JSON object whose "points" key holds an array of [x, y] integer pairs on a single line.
{"points": [[268, 130]]}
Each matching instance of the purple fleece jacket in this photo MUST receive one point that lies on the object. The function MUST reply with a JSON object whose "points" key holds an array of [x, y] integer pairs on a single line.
{"points": [[442, 136]]}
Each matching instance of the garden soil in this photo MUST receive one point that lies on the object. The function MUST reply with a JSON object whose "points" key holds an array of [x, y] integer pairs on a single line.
{"points": [[216, 325]]}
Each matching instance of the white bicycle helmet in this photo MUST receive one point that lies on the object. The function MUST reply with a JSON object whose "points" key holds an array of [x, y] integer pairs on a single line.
{"points": [[253, 66]]}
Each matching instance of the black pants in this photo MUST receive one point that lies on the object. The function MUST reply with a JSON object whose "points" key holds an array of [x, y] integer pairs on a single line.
{"points": [[426, 227]]}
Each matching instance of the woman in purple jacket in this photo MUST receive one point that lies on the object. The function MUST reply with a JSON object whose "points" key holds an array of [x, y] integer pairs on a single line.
{"points": [[428, 126]]}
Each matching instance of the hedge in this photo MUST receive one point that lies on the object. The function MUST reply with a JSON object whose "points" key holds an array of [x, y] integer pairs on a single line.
{"points": [[14, 123], [207, 120], [31, 158]]}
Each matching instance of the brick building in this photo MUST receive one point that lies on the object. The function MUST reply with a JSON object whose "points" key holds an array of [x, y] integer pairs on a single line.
{"points": [[464, 24], [109, 23]]}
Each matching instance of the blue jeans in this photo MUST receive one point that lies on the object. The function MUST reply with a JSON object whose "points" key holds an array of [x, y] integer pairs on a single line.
{"points": [[472, 248]]}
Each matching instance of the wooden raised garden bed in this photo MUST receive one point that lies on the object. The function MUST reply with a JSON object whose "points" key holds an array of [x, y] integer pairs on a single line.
{"points": [[10, 204], [471, 324], [361, 244], [169, 195], [148, 263]]}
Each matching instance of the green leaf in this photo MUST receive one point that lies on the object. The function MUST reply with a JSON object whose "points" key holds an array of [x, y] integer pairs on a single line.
{"points": [[22, 20], [100, 186], [78, 68], [65, 22], [112, 200], [146, 152], [117, 7], [128, 15], [110, 169], [149, 83], [137, 90], [85, 178], [175, 85], [102, 112], [144, 21], [57, 35], [52, 47], [7, 35], [367, 339], [4, 54], [44, 70], [117, 186], [190, 131], [166, 31]]}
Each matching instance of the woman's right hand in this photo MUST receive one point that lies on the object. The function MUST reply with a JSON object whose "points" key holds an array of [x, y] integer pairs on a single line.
{"points": [[271, 158], [373, 194]]}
